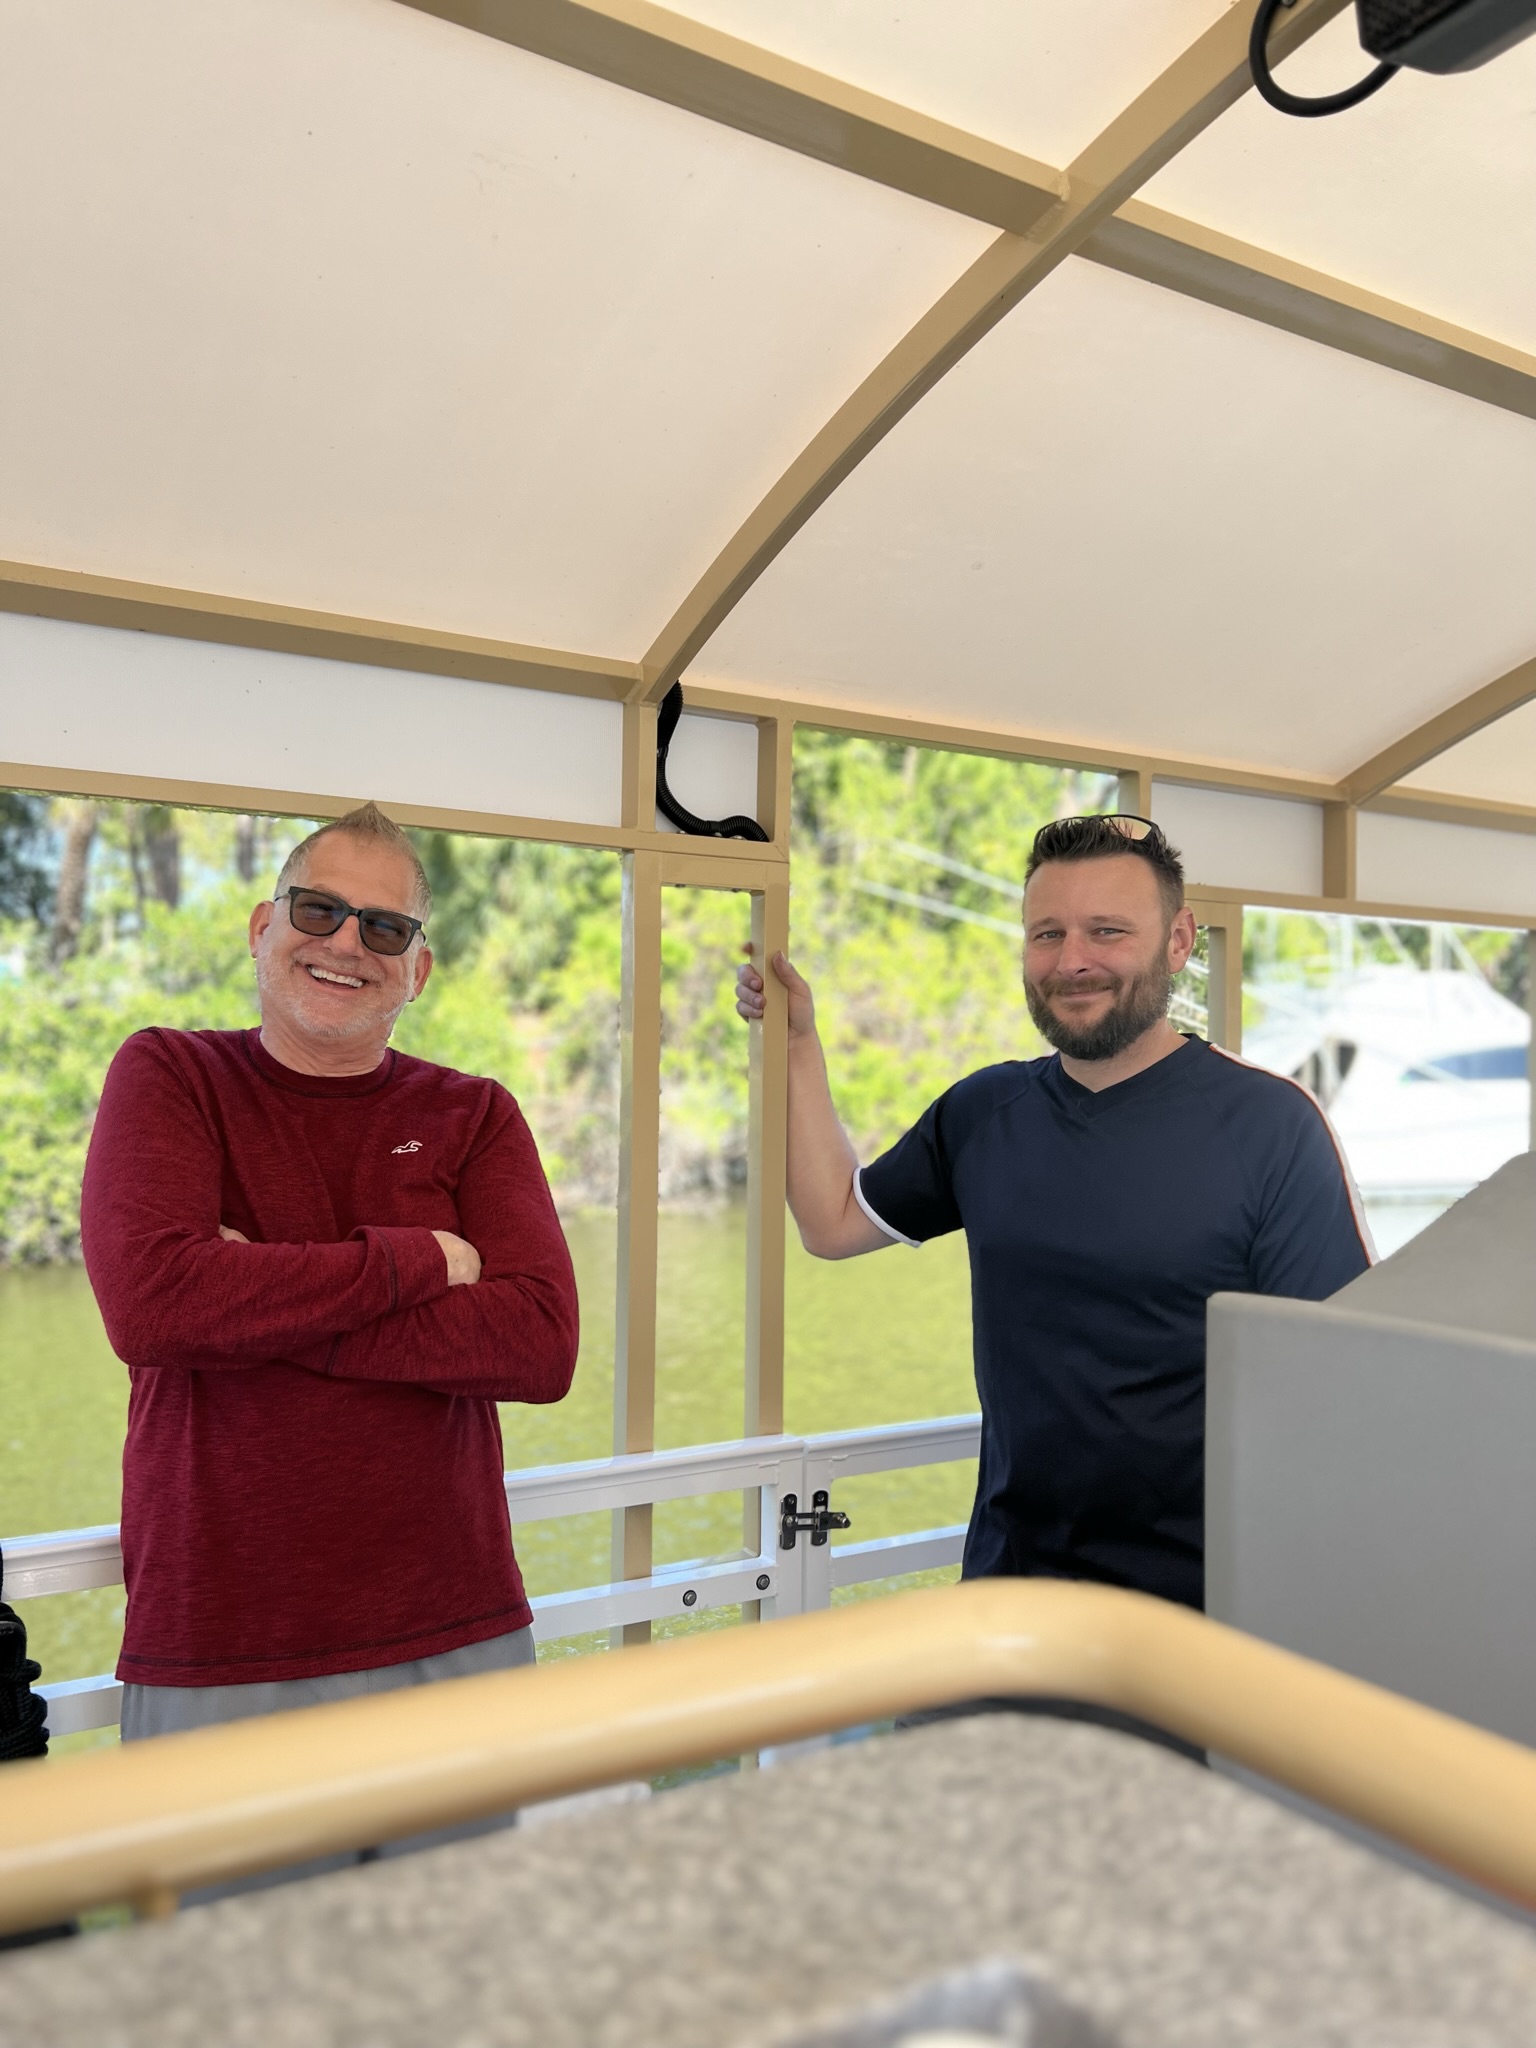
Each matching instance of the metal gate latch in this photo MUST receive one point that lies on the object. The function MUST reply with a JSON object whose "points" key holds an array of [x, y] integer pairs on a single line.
{"points": [[816, 1524]]}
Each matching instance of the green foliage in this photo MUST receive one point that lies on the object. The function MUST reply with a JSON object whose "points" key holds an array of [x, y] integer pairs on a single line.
{"points": [[59, 1028], [909, 997], [526, 942]]}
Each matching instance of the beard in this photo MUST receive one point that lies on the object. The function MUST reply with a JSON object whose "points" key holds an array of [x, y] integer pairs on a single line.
{"points": [[283, 986], [1138, 1004]]}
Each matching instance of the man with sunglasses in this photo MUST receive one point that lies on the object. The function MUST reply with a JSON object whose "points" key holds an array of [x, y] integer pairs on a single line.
{"points": [[324, 1263], [1106, 1192]]}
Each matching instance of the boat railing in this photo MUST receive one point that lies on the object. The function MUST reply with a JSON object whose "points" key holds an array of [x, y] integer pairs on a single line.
{"points": [[794, 1569]]}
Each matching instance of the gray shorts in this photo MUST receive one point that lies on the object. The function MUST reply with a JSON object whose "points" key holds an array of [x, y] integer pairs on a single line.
{"points": [[150, 1710], [171, 1709]]}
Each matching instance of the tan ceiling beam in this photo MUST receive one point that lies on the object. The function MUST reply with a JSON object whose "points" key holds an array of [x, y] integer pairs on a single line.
{"points": [[1147, 243], [1374, 909], [1199, 86], [288, 629], [666, 56], [1433, 807], [200, 615], [1053, 750], [1446, 729]]}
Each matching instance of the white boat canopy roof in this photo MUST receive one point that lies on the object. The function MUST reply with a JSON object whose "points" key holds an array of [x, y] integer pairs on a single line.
{"points": [[1003, 363]]}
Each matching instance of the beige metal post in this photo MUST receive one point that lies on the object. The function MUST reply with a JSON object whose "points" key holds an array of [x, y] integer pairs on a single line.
{"points": [[768, 1083], [1340, 836], [769, 1105], [634, 1362], [775, 778], [764, 1415], [763, 1394], [1134, 794], [1223, 924]]}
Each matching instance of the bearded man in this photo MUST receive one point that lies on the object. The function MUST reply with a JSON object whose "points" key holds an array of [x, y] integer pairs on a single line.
{"points": [[1106, 1192], [323, 1263]]}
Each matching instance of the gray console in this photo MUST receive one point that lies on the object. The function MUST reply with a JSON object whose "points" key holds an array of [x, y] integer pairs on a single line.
{"points": [[1371, 1464]]}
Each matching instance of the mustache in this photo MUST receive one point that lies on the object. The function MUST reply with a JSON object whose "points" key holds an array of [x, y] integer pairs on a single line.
{"points": [[346, 967], [1079, 985]]}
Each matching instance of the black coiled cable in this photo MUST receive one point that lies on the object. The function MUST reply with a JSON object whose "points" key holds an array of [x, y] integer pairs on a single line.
{"points": [[1290, 102], [669, 712]]}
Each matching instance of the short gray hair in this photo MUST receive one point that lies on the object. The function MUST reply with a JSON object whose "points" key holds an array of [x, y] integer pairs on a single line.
{"points": [[366, 822]]}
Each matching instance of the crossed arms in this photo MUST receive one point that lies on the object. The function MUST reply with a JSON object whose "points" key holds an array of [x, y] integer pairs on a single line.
{"points": [[176, 1291]]}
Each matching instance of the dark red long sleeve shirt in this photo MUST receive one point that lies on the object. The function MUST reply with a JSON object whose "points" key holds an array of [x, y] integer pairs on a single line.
{"points": [[312, 1480]]}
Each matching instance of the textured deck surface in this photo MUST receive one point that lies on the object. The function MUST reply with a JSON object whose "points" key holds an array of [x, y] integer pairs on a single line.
{"points": [[1178, 1909]]}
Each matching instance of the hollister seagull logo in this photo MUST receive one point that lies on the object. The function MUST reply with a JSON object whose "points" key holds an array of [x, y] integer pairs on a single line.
{"points": [[411, 1145]]}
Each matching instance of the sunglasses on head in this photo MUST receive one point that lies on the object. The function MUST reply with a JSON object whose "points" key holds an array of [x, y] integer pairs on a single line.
{"points": [[319, 916], [1061, 830]]}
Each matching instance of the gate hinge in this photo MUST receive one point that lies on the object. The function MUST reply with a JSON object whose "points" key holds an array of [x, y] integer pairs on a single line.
{"points": [[816, 1524]]}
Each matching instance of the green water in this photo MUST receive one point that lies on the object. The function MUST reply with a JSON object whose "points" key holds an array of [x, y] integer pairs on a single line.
{"points": [[873, 1340]]}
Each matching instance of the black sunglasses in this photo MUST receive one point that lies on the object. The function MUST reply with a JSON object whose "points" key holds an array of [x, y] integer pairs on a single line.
{"points": [[1126, 823], [318, 916]]}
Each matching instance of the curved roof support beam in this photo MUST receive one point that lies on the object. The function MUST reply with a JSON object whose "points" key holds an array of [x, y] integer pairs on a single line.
{"points": [[1198, 262], [1446, 729], [668, 57], [1210, 77]]}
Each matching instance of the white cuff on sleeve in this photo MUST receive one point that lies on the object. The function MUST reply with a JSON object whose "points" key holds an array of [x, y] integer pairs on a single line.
{"points": [[878, 1221]]}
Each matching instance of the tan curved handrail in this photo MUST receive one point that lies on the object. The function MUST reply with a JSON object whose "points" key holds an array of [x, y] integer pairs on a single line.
{"points": [[146, 1822]]}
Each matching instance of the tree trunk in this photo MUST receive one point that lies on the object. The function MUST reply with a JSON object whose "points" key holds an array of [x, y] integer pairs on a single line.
{"points": [[132, 820], [245, 848], [74, 880], [162, 848]]}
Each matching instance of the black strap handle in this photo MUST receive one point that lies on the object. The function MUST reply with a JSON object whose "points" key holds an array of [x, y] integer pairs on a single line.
{"points": [[670, 712]]}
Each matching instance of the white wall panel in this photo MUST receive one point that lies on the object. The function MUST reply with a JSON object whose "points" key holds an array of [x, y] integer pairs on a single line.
{"points": [[712, 767], [1454, 867], [1243, 842], [116, 702]]}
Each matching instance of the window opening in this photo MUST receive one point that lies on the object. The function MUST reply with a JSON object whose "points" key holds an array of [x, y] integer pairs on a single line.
{"points": [[906, 919], [1415, 1037]]}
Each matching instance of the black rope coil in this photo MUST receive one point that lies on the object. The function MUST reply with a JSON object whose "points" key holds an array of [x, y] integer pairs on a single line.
{"points": [[670, 711]]}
